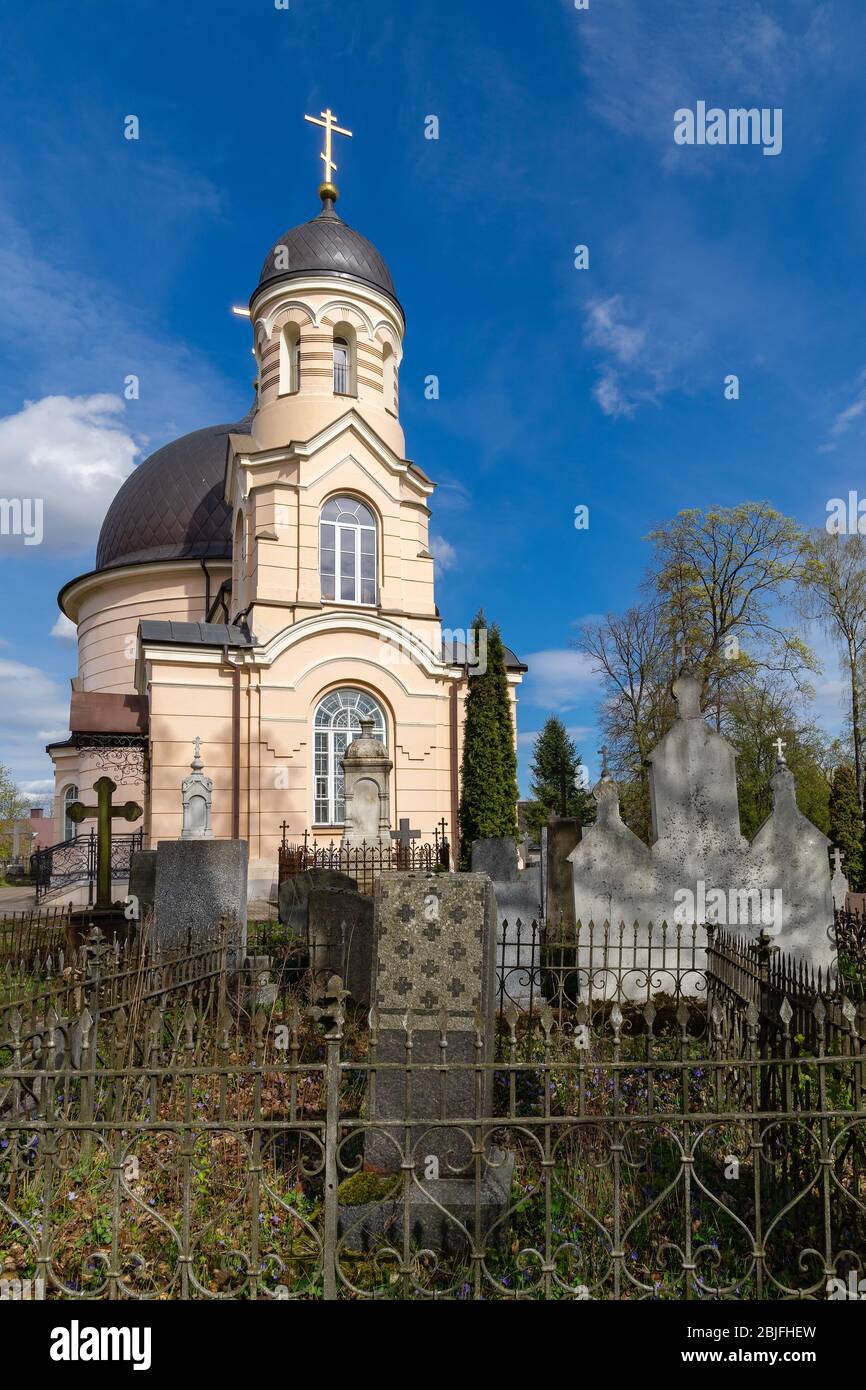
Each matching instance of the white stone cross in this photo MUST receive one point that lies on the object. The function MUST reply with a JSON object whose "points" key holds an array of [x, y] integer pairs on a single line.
{"points": [[780, 748], [837, 861]]}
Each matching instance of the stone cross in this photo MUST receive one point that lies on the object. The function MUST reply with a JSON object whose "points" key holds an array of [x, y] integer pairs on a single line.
{"points": [[404, 836], [104, 813], [837, 861], [780, 748], [197, 796]]}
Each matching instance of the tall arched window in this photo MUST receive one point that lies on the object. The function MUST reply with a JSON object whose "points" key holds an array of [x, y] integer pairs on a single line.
{"points": [[290, 359], [337, 721], [342, 367], [70, 828], [347, 551]]}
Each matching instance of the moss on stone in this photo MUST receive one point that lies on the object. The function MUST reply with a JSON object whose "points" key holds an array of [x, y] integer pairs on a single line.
{"points": [[366, 1187]]}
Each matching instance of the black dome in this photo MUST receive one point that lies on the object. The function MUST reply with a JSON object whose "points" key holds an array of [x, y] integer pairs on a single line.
{"points": [[171, 507], [328, 246]]}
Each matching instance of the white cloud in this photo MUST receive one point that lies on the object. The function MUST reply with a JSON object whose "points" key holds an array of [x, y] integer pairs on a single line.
{"points": [[34, 710], [64, 628], [559, 679], [72, 453], [607, 329], [444, 554]]}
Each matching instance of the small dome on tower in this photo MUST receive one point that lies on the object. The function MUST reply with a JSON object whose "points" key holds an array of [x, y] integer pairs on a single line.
{"points": [[326, 245]]}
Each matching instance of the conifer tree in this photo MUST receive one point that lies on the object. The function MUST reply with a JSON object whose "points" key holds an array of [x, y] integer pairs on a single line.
{"points": [[488, 783], [846, 824], [556, 765]]}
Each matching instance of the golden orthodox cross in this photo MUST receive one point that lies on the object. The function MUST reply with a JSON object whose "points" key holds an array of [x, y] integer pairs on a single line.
{"points": [[329, 121]]}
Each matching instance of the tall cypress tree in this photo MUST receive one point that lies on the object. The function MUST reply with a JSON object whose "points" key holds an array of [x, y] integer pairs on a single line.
{"points": [[846, 824], [555, 765], [488, 778]]}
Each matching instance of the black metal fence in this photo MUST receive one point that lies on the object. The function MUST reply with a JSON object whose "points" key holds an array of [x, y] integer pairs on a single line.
{"points": [[364, 862], [165, 1133], [74, 861]]}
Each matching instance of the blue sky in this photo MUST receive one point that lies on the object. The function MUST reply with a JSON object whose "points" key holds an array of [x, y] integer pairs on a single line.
{"points": [[558, 387]]}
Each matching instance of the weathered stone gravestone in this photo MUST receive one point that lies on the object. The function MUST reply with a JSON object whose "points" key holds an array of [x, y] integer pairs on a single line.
{"points": [[563, 834], [198, 884], [518, 920], [340, 939], [699, 869], [295, 894], [142, 881], [197, 795], [839, 885], [366, 773], [433, 969]]}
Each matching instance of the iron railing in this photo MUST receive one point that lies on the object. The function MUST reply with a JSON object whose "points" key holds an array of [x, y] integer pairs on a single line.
{"points": [[74, 861], [178, 1136], [364, 862]]}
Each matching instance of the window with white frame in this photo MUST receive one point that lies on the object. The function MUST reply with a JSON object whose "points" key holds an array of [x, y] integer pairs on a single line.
{"points": [[342, 367], [347, 551], [70, 827], [337, 722], [290, 360]]}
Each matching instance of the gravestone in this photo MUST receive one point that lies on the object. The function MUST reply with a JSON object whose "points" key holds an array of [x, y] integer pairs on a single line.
{"points": [[518, 918], [142, 880], [197, 795], [199, 882], [340, 939], [839, 885], [434, 951], [433, 967], [295, 894], [699, 869], [497, 858], [366, 774], [563, 834]]}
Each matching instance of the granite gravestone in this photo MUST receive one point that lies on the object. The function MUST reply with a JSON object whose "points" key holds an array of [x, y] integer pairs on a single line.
{"points": [[433, 970], [433, 959], [198, 884], [142, 881], [340, 939], [563, 834], [295, 895]]}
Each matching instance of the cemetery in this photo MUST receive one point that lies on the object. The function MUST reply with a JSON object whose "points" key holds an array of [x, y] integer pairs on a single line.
{"points": [[303, 999], [439, 1085]]}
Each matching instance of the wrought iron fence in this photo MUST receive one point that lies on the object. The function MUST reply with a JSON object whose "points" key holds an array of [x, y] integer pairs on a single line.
{"points": [[74, 861], [208, 1143], [28, 936], [364, 862]]}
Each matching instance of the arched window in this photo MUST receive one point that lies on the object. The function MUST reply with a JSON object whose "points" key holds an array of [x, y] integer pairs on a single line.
{"points": [[70, 828], [342, 367], [337, 722], [347, 551], [290, 359], [389, 378]]}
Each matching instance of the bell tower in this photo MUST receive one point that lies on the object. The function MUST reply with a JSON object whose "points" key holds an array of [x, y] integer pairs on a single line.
{"points": [[327, 326]]}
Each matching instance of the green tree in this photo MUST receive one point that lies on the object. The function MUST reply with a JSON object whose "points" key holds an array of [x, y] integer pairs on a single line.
{"points": [[846, 824], [488, 778], [556, 766], [834, 591], [756, 713], [13, 807]]}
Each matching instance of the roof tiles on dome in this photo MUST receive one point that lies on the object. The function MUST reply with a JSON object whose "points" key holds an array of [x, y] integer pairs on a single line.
{"points": [[171, 506]]}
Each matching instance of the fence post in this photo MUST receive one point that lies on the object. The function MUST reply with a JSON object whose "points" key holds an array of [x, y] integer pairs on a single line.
{"points": [[331, 1016]]}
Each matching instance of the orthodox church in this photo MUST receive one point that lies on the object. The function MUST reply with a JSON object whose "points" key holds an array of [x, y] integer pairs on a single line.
{"points": [[264, 585]]}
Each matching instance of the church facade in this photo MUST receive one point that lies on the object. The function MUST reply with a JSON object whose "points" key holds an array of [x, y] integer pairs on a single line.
{"points": [[264, 585]]}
